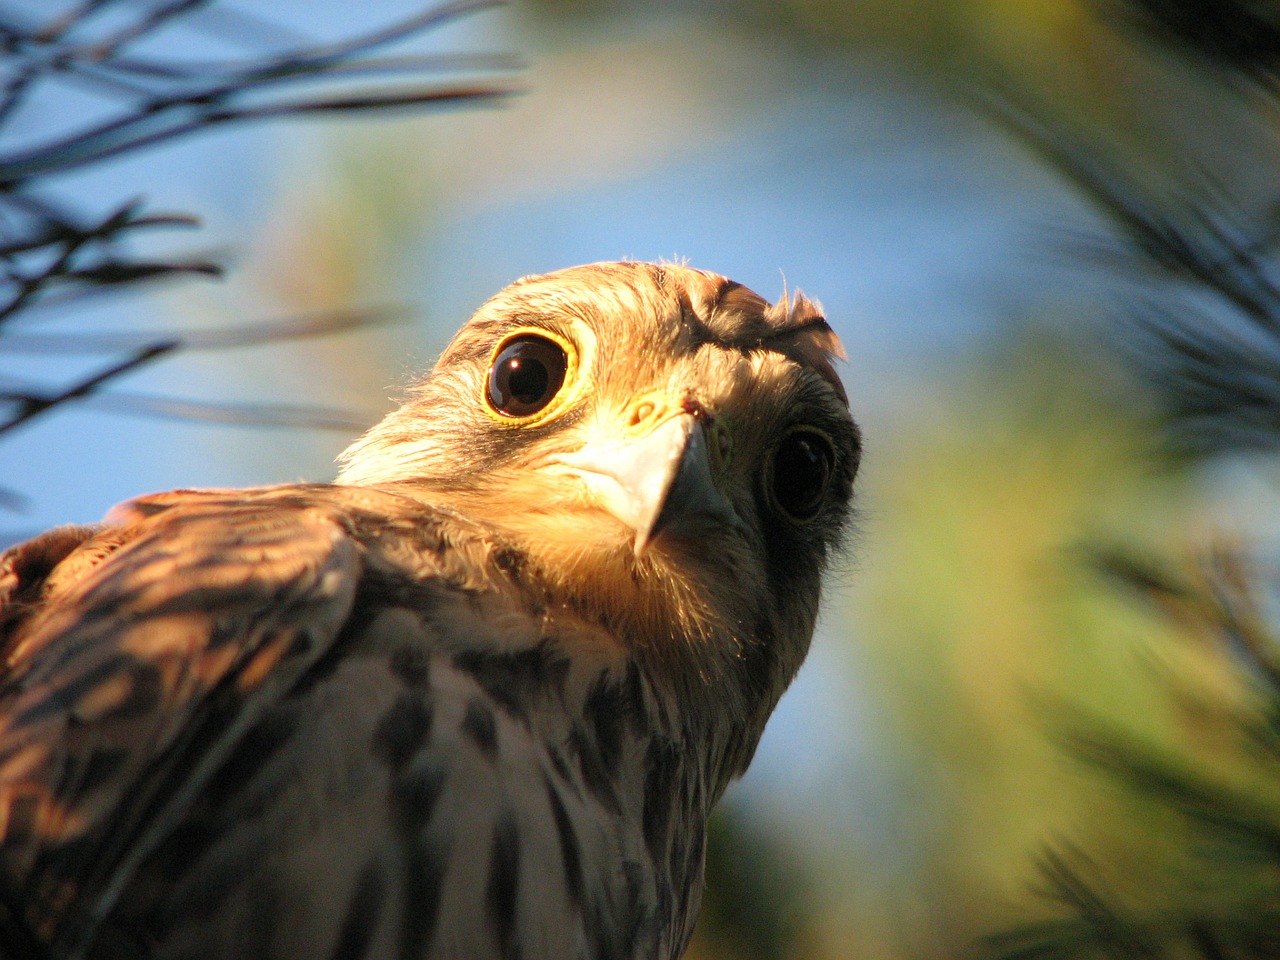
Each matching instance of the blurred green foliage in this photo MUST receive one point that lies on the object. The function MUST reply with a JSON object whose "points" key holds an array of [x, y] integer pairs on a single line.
{"points": [[981, 618], [750, 913], [1066, 55]]}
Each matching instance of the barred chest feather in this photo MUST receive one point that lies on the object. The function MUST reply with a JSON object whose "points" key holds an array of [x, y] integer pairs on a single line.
{"points": [[473, 700], [459, 772], [539, 809]]}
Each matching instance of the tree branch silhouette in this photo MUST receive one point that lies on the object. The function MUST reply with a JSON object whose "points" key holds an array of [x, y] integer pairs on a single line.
{"points": [[53, 256]]}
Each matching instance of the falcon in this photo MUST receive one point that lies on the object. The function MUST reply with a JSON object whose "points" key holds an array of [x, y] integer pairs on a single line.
{"points": [[476, 698]]}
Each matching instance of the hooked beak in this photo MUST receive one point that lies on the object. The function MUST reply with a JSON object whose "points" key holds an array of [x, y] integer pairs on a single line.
{"points": [[660, 482]]}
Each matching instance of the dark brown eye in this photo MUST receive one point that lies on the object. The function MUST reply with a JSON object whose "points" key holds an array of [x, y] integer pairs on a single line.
{"points": [[802, 467], [526, 375]]}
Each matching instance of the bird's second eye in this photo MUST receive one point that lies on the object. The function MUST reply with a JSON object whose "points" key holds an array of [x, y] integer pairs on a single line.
{"points": [[527, 373], [803, 465]]}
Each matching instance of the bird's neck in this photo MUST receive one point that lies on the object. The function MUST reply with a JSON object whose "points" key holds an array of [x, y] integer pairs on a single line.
{"points": [[610, 612]]}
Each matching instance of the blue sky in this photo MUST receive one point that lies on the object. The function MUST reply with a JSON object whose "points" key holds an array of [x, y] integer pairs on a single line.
{"points": [[917, 226]]}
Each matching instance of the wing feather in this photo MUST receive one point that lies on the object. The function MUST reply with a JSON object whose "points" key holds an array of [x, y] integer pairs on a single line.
{"points": [[314, 721], [137, 655]]}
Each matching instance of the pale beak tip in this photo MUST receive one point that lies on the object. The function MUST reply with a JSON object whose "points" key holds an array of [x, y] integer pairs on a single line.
{"points": [[643, 540]]}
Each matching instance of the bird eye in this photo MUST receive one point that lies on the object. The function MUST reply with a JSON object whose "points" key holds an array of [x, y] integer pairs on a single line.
{"points": [[803, 464], [526, 375]]}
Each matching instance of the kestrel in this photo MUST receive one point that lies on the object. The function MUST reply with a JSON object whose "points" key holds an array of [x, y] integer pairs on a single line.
{"points": [[476, 698]]}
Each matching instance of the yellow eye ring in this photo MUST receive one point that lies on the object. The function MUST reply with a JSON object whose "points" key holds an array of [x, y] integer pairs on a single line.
{"points": [[530, 376]]}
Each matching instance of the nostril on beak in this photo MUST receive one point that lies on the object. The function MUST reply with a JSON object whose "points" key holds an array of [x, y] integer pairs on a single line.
{"points": [[640, 413], [693, 406]]}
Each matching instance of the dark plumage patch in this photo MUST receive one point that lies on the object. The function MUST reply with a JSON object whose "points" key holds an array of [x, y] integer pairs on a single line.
{"points": [[300, 645], [57, 701], [257, 747], [634, 921], [99, 768], [516, 680], [478, 725], [416, 790], [503, 885], [23, 815], [604, 935], [403, 729], [367, 608], [412, 664], [188, 845], [361, 919], [426, 863], [570, 852], [605, 710], [694, 853], [224, 634], [594, 773], [511, 562], [662, 762], [633, 687], [561, 767]]}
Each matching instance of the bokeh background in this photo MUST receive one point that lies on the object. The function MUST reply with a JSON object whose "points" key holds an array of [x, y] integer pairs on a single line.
{"points": [[862, 152]]}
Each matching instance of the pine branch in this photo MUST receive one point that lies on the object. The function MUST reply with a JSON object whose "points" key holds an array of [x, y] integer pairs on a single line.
{"points": [[1226, 901], [30, 405], [1238, 36], [1202, 328], [53, 257], [1201, 324]]}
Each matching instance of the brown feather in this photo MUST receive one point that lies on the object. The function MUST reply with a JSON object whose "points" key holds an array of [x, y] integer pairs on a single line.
{"points": [[442, 707]]}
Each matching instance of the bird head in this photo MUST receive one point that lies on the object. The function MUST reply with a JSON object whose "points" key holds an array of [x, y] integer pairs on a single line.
{"points": [[673, 454]]}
